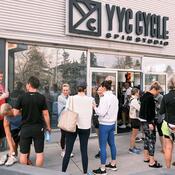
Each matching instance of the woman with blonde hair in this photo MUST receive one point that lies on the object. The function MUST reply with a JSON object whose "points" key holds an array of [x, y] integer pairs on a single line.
{"points": [[62, 100], [147, 118], [168, 127]]}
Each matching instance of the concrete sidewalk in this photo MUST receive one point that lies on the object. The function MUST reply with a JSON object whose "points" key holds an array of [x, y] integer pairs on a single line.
{"points": [[128, 164]]}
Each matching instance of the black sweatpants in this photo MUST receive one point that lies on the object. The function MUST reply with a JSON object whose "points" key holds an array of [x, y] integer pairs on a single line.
{"points": [[70, 140]]}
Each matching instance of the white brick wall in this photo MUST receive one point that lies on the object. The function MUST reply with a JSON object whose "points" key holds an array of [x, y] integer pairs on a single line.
{"points": [[44, 21]]}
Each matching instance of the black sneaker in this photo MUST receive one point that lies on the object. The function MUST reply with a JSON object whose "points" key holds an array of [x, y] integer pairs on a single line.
{"points": [[97, 156], [111, 167], [99, 171]]}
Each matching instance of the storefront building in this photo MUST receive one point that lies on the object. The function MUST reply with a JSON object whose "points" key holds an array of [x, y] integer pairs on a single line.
{"points": [[65, 41]]}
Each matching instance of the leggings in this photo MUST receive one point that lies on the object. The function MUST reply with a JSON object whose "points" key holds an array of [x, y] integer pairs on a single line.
{"points": [[63, 139], [150, 139], [70, 140], [106, 135]]}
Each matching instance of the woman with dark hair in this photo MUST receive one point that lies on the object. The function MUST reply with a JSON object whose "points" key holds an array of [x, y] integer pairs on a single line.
{"points": [[107, 112], [82, 105]]}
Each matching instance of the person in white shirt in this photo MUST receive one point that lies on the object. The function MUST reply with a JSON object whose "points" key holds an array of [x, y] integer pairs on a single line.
{"points": [[107, 112], [135, 122], [82, 105]]}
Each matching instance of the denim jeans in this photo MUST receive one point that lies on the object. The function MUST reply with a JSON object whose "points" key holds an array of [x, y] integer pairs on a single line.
{"points": [[106, 135]]}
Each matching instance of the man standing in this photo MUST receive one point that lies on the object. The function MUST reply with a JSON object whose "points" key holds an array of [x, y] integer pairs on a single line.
{"points": [[3, 96], [34, 113]]}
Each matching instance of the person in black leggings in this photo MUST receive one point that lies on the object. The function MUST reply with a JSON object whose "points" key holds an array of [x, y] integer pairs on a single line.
{"points": [[70, 140], [81, 104]]}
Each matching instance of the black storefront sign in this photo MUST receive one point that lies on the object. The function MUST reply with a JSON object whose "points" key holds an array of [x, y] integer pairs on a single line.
{"points": [[138, 27]]}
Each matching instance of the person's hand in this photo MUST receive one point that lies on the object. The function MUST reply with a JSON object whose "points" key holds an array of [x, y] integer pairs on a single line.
{"points": [[151, 127], [94, 105], [48, 129]]}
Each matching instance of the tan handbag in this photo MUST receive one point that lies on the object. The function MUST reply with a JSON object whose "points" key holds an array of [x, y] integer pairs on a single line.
{"points": [[68, 118]]}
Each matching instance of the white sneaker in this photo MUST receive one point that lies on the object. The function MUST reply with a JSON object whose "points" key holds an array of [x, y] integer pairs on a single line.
{"points": [[122, 126], [3, 159], [62, 153], [72, 155], [11, 160]]}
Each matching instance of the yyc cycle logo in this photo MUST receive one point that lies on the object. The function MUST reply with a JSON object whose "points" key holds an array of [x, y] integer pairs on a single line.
{"points": [[85, 17]]}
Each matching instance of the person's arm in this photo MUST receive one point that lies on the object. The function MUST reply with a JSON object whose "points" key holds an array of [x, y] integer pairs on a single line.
{"points": [[4, 95], [162, 107], [9, 138], [103, 107], [61, 105], [46, 119], [45, 113], [150, 112]]}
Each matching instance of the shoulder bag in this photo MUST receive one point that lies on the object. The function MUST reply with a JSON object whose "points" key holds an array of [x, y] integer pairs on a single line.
{"points": [[68, 118]]}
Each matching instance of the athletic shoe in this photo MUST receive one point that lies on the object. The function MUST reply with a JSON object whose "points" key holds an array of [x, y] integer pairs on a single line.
{"points": [[63, 154], [3, 159], [97, 156], [71, 155], [122, 126], [137, 140], [99, 171], [11, 160], [139, 149], [134, 151], [111, 167]]}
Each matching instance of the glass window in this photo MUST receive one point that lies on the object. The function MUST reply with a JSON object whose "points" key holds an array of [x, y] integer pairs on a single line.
{"points": [[53, 67], [158, 65], [115, 61]]}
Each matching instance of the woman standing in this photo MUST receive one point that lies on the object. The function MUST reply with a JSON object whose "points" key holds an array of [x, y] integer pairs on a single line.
{"points": [[168, 126], [135, 122], [107, 112], [147, 117], [82, 105], [62, 100]]}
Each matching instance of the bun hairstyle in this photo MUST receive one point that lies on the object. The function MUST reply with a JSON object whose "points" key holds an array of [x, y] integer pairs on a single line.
{"points": [[156, 85], [107, 84]]}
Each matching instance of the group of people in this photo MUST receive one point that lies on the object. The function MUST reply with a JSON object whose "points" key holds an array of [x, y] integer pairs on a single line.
{"points": [[29, 116]]}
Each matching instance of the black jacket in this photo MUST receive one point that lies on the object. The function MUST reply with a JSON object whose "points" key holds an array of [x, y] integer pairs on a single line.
{"points": [[168, 107], [147, 109]]}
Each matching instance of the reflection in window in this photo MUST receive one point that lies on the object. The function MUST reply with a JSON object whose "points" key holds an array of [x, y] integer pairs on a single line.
{"points": [[50, 65], [115, 61], [158, 65], [149, 78], [53, 67]]}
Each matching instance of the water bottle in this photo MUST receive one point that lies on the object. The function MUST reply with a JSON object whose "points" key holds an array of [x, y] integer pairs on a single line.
{"points": [[90, 173], [47, 136]]}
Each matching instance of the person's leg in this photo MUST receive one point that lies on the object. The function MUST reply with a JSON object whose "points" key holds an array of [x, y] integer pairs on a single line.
{"points": [[25, 142], [84, 136], [111, 142], [70, 139], [152, 141], [168, 150], [23, 159], [103, 136], [146, 141], [159, 125], [62, 140], [133, 137]]}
